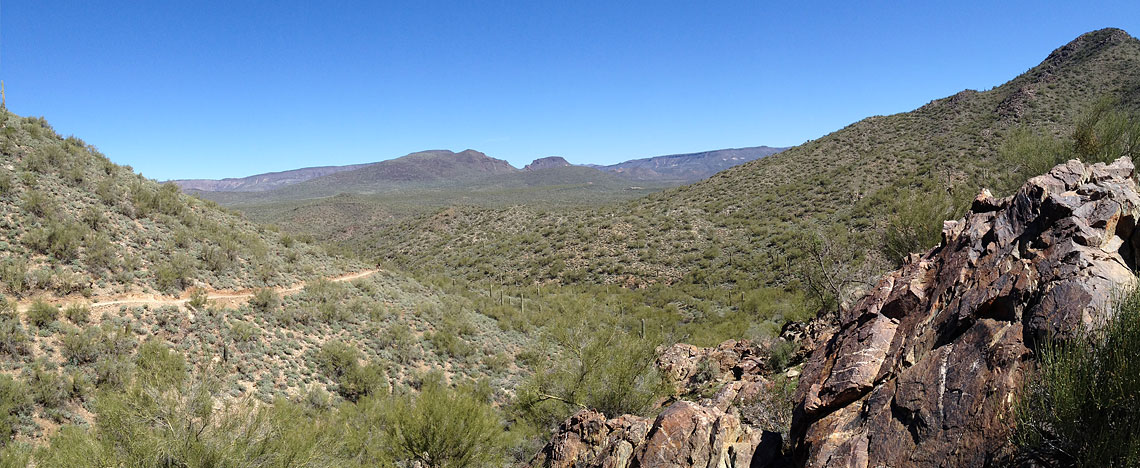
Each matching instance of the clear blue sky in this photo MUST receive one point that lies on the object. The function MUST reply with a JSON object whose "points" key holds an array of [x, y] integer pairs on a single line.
{"points": [[182, 89]]}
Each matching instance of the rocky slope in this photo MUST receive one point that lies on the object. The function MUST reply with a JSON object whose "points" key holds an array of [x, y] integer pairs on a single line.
{"points": [[924, 370]]}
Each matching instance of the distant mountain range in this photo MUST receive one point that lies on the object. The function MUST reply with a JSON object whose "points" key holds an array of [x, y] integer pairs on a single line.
{"points": [[690, 167], [262, 182], [447, 168]]}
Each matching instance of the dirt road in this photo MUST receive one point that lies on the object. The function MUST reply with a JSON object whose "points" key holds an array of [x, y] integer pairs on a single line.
{"points": [[155, 300]]}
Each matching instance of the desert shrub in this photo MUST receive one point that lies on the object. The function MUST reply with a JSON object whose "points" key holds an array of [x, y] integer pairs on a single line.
{"points": [[41, 314], [113, 371], [916, 224], [73, 446], [360, 381], [81, 346], [589, 376], [447, 342], [93, 217], [217, 259], [45, 385], [265, 300], [99, 253], [174, 274], [14, 402], [1027, 153], [13, 339], [5, 183], [13, 272], [242, 331], [445, 428], [1106, 132], [158, 366], [38, 203], [78, 314], [335, 358], [1078, 408], [780, 354]]}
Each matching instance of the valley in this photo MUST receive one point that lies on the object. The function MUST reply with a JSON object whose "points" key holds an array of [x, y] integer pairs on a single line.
{"points": [[898, 292]]}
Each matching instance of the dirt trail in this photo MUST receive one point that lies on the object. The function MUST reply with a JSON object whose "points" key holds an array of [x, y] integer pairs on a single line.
{"points": [[155, 300]]}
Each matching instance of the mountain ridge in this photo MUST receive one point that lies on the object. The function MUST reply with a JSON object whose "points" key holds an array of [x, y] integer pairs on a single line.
{"points": [[673, 168]]}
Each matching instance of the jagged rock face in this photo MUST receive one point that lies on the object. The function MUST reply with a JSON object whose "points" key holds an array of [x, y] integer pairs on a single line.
{"points": [[708, 434], [924, 369]]}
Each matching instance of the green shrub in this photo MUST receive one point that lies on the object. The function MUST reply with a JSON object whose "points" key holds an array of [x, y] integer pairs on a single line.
{"points": [[15, 400], [361, 381], [99, 253], [265, 300], [81, 346], [45, 385], [38, 203], [13, 339], [242, 331], [590, 376], [5, 183], [158, 366], [1078, 408], [771, 409], [780, 354], [336, 358], [916, 224], [445, 428], [78, 314], [174, 274], [41, 314], [1106, 132]]}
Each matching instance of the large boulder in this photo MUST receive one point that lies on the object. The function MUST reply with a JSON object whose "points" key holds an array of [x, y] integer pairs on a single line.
{"points": [[924, 370]]}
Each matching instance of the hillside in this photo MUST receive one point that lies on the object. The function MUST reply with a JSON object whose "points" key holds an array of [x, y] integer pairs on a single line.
{"points": [[75, 223], [687, 168], [115, 288], [261, 182], [750, 225]]}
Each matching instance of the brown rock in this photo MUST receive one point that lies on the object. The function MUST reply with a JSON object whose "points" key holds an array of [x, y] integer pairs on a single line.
{"points": [[924, 370]]}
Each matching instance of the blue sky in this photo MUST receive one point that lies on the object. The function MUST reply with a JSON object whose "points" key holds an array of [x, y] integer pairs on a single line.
{"points": [[181, 89]]}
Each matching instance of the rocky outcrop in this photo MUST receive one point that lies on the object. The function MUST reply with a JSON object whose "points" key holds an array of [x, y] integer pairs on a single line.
{"points": [[708, 434], [690, 367], [924, 369]]}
